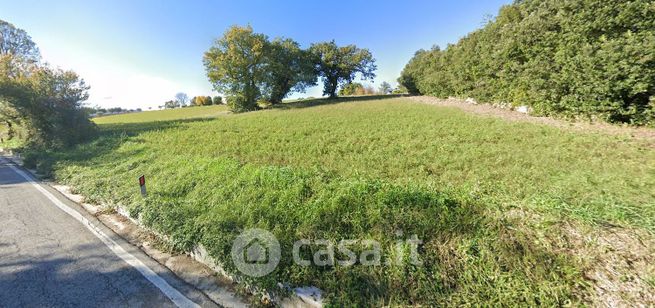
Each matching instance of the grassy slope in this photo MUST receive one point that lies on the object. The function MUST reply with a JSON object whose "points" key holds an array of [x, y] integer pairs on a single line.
{"points": [[164, 115], [369, 170]]}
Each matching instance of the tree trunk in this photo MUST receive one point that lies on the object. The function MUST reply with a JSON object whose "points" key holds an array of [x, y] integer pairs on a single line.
{"points": [[334, 84], [10, 130]]}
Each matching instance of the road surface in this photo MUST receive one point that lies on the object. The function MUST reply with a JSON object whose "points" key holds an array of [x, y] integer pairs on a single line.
{"points": [[50, 258]]}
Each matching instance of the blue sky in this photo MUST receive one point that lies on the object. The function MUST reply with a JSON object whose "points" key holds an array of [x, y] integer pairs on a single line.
{"points": [[140, 53]]}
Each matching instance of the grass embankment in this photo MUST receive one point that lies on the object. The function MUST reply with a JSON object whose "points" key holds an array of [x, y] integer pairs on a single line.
{"points": [[485, 196]]}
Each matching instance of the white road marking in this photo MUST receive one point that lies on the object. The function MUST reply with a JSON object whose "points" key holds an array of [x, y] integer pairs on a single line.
{"points": [[174, 295]]}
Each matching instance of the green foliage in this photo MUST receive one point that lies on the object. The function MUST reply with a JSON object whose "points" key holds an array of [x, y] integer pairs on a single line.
{"points": [[17, 43], [171, 104], [248, 67], [217, 100], [290, 69], [590, 58], [201, 101], [449, 177], [385, 88], [351, 88], [47, 102], [240, 103], [236, 66], [400, 89], [356, 88], [338, 66]]}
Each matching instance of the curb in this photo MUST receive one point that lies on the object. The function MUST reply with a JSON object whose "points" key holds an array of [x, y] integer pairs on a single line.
{"points": [[310, 297]]}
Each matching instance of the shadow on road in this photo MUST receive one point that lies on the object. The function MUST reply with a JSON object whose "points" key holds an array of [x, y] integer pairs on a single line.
{"points": [[46, 274]]}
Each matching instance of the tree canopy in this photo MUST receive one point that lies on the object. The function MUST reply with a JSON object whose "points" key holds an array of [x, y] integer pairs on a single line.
{"points": [[290, 69], [338, 66], [201, 101], [236, 65], [253, 70], [574, 58], [17, 43], [47, 102], [385, 88]]}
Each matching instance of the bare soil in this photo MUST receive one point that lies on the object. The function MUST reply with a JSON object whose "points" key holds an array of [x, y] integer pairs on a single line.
{"points": [[618, 263], [639, 133]]}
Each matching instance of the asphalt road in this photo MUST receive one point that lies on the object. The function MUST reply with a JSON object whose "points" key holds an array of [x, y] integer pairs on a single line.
{"points": [[48, 258]]}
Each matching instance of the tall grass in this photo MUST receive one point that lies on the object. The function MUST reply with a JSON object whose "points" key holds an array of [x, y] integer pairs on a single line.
{"points": [[381, 170]]}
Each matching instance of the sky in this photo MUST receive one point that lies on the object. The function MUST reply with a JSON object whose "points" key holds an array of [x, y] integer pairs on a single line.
{"points": [[140, 53]]}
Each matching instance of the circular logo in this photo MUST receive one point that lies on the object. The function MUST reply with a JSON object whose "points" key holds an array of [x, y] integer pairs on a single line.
{"points": [[256, 252]]}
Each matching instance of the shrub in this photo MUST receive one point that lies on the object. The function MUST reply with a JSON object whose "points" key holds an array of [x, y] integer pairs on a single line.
{"points": [[239, 103], [591, 58]]}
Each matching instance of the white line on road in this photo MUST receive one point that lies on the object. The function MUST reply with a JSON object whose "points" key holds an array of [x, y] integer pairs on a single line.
{"points": [[173, 294]]}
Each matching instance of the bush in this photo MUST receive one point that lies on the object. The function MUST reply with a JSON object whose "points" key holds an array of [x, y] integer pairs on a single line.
{"points": [[239, 103], [591, 58]]}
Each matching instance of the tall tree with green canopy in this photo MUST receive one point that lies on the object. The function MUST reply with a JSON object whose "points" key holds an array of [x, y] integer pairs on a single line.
{"points": [[17, 43], [236, 66], [48, 102], [17, 52], [290, 69], [339, 65]]}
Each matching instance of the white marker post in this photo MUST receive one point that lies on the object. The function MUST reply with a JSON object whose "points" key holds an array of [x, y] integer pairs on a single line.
{"points": [[142, 183]]}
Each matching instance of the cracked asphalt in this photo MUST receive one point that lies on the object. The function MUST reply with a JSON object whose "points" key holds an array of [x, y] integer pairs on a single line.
{"points": [[49, 259]]}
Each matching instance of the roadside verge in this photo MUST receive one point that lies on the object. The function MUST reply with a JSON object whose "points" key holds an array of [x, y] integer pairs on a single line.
{"points": [[127, 240]]}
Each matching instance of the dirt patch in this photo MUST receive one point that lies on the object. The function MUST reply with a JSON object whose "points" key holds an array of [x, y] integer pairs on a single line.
{"points": [[620, 263], [640, 133], [617, 263]]}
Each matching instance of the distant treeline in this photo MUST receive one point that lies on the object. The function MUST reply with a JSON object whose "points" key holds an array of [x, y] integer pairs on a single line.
{"points": [[99, 111], [571, 58]]}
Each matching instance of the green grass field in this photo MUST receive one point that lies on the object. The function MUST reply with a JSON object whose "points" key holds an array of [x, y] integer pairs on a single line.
{"points": [[164, 115], [487, 197]]}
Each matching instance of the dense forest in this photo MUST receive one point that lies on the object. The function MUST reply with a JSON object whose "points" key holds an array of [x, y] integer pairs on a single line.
{"points": [[571, 58]]}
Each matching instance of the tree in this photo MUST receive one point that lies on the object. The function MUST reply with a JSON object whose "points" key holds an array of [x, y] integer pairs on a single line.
{"points": [[352, 88], [49, 104], [217, 100], [46, 102], [236, 66], [400, 89], [171, 104], [568, 58], [17, 43], [385, 88], [290, 69], [16, 51], [201, 101], [339, 65], [181, 98]]}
